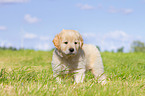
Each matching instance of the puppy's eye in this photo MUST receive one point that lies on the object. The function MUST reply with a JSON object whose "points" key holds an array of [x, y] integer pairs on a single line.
{"points": [[76, 42], [65, 42]]}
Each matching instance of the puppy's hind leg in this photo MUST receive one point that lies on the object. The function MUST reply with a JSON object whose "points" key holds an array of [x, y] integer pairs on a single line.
{"points": [[100, 76]]}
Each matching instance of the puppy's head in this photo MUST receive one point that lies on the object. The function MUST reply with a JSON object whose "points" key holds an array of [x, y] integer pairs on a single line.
{"points": [[68, 42]]}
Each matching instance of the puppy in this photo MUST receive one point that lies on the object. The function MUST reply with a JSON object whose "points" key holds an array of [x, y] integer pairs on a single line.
{"points": [[72, 56]]}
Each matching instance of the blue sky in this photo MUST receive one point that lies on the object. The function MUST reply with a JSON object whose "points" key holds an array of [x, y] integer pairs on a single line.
{"points": [[109, 24]]}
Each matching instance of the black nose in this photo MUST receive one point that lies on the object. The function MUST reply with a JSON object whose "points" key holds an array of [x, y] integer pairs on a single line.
{"points": [[71, 49]]}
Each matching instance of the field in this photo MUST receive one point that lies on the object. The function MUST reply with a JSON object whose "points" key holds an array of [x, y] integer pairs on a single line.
{"points": [[29, 73]]}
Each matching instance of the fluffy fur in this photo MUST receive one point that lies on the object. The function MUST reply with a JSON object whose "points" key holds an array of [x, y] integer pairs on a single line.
{"points": [[72, 56]]}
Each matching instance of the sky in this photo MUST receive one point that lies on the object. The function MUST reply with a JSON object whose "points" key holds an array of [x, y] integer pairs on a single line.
{"points": [[109, 24]]}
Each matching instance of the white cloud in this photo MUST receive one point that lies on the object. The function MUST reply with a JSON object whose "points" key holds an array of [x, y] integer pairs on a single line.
{"points": [[92, 38], [30, 36], [85, 7], [37, 42], [124, 11], [44, 46], [3, 28], [45, 43], [89, 34], [13, 1], [44, 38], [28, 18], [2, 43], [111, 40], [5, 44], [34, 36], [117, 35], [117, 39], [127, 11]]}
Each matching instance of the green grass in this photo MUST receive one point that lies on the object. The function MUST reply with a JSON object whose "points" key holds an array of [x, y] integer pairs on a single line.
{"points": [[29, 73]]}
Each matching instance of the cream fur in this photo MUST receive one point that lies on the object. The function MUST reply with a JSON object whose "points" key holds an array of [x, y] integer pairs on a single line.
{"points": [[85, 57]]}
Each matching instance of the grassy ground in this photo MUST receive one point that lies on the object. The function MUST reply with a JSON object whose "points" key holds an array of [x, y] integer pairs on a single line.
{"points": [[30, 73]]}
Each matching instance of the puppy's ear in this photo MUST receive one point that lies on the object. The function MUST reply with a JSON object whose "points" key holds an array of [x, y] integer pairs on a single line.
{"points": [[56, 41], [81, 41]]}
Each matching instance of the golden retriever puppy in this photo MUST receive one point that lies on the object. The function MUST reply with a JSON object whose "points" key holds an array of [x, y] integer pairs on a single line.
{"points": [[72, 56]]}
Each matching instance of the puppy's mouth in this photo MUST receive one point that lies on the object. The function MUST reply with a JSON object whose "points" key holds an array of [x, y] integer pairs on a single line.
{"points": [[71, 54]]}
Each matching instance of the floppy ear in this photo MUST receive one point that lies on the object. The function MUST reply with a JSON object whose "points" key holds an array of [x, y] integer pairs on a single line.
{"points": [[81, 41], [56, 41]]}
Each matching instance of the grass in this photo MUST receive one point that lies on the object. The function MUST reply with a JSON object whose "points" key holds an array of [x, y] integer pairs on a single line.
{"points": [[29, 73]]}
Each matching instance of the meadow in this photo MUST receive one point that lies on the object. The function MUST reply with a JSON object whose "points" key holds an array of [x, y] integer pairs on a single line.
{"points": [[29, 73]]}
